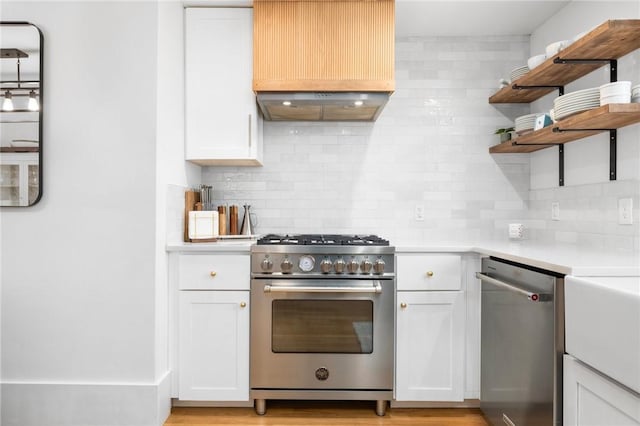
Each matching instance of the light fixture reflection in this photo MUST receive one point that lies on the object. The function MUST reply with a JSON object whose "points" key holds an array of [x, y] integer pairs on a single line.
{"points": [[33, 102], [358, 103], [7, 104], [286, 103]]}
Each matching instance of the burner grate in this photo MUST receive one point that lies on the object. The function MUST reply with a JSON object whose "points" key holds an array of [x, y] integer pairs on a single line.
{"points": [[323, 240]]}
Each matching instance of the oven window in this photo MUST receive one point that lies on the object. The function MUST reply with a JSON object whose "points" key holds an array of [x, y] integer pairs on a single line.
{"points": [[322, 326]]}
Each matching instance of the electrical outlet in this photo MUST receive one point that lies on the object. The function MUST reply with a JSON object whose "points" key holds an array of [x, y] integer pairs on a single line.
{"points": [[555, 211], [625, 211], [419, 212]]}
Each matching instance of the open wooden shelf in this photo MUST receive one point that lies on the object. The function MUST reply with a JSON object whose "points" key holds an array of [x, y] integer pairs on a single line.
{"points": [[581, 125], [610, 40]]}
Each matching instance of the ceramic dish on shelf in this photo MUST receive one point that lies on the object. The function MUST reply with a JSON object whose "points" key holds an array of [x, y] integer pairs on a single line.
{"points": [[615, 99], [574, 102], [24, 143], [617, 88], [525, 123], [536, 60], [518, 72], [555, 47]]}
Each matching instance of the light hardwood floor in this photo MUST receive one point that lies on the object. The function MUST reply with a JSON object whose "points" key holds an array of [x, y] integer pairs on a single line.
{"points": [[323, 413]]}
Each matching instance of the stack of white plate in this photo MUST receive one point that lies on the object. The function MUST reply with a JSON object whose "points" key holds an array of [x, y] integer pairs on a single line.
{"points": [[525, 123], [519, 72], [635, 94], [618, 92], [571, 103]]}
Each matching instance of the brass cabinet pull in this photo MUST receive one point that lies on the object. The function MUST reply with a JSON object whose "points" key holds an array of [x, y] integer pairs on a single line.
{"points": [[243, 304], [213, 273], [403, 305], [429, 274]]}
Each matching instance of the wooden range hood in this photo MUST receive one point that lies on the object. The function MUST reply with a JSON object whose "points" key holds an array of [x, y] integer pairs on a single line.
{"points": [[334, 57]]}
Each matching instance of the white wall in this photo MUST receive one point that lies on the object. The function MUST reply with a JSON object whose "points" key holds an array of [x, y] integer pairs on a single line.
{"points": [[588, 201], [429, 147], [78, 269]]}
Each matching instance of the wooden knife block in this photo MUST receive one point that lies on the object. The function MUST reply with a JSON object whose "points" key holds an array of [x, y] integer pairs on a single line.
{"points": [[192, 203]]}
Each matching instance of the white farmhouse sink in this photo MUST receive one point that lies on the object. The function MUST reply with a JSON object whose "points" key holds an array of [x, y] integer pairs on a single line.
{"points": [[603, 325]]}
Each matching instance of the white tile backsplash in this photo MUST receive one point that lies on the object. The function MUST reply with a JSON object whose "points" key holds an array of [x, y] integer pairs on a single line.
{"points": [[588, 215], [429, 147]]}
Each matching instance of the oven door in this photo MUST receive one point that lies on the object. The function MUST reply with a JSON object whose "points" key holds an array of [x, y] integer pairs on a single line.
{"points": [[322, 334]]}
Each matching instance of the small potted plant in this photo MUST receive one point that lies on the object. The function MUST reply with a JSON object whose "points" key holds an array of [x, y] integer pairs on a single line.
{"points": [[505, 133]]}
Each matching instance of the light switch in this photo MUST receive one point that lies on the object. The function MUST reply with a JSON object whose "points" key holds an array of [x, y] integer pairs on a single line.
{"points": [[419, 212], [625, 211]]}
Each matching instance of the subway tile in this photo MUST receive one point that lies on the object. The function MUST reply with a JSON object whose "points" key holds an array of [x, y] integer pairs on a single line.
{"points": [[430, 147]]}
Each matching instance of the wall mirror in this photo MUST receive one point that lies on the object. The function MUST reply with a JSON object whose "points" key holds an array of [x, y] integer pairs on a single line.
{"points": [[21, 45]]}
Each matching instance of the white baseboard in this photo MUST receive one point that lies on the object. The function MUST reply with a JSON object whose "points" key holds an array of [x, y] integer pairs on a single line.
{"points": [[85, 404], [179, 403]]}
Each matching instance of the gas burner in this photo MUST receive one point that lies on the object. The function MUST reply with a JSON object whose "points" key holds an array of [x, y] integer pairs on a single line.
{"points": [[323, 240]]}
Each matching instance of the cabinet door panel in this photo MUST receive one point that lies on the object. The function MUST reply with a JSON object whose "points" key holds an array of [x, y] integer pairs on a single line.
{"points": [[430, 346], [221, 118], [214, 345], [591, 399]]}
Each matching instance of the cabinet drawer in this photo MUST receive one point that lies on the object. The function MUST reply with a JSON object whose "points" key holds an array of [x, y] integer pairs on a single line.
{"points": [[214, 272], [429, 272]]}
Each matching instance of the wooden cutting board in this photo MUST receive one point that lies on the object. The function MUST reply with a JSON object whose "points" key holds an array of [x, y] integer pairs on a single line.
{"points": [[190, 200]]}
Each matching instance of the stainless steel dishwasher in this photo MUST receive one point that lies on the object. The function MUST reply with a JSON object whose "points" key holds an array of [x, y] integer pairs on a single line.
{"points": [[522, 344]]}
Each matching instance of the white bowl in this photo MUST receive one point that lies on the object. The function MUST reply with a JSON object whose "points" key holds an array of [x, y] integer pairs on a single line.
{"points": [[23, 143], [615, 99], [579, 36], [536, 60], [635, 90], [616, 88], [635, 99], [556, 47]]}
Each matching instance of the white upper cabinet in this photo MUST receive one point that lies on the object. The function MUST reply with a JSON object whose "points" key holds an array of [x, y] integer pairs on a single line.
{"points": [[221, 116]]}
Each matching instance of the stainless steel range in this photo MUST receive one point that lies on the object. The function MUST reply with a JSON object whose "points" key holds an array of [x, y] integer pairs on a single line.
{"points": [[322, 318]]}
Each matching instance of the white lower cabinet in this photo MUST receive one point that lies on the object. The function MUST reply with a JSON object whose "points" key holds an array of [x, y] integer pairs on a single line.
{"points": [[430, 352], [592, 399], [213, 345]]}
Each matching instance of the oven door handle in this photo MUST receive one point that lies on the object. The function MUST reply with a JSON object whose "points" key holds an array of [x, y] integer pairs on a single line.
{"points": [[534, 297], [376, 288]]}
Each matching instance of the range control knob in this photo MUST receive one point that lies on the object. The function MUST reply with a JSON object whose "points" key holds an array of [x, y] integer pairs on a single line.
{"points": [[339, 265], [378, 266], [366, 266], [266, 265], [352, 266], [325, 266], [286, 266]]}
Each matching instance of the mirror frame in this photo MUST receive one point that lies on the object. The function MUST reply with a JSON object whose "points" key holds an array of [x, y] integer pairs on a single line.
{"points": [[40, 112]]}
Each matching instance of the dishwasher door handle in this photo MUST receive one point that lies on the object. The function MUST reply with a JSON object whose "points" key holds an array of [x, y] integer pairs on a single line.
{"points": [[534, 297]]}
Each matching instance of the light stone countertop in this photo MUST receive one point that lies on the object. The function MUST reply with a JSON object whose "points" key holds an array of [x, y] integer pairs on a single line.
{"points": [[241, 246], [561, 258]]}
